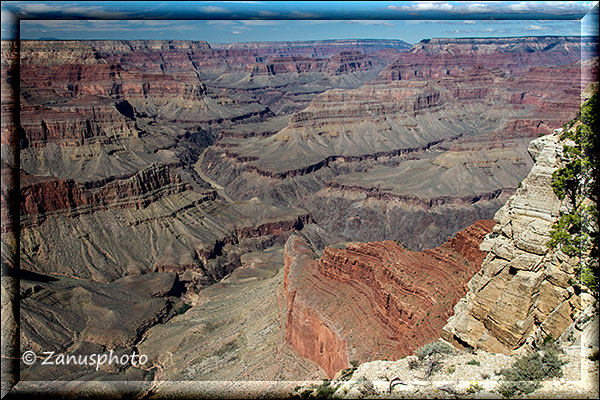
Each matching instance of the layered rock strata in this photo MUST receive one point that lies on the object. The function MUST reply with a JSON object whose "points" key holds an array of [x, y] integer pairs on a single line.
{"points": [[362, 161], [523, 292], [108, 131], [373, 300], [41, 197], [441, 57], [316, 48], [181, 231]]}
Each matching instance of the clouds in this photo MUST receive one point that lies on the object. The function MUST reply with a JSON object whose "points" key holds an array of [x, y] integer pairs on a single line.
{"points": [[529, 9], [534, 28], [256, 18], [99, 26], [65, 10], [551, 6], [351, 10], [510, 28], [477, 7], [423, 6], [213, 9]]}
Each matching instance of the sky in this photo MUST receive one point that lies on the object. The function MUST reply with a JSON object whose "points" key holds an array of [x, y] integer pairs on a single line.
{"points": [[245, 21]]}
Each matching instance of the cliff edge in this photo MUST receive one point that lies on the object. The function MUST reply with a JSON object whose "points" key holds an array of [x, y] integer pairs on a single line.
{"points": [[523, 292]]}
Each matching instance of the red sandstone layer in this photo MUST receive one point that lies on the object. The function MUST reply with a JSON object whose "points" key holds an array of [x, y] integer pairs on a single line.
{"points": [[374, 300], [43, 196], [437, 58]]}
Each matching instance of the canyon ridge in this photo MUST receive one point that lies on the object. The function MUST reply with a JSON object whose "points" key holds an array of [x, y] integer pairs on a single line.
{"points": [[284, 212]]}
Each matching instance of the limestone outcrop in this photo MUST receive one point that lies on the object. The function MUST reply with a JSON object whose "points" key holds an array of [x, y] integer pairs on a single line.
{"points": [[523, 292]]}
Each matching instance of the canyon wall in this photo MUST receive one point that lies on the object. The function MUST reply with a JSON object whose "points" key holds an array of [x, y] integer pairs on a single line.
{"points": [[174, 159], [440, 57], [374, 300], [364, 162], [523, 291], [108, 134]]}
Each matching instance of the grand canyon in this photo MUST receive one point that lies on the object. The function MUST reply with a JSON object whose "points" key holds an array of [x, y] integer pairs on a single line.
{"points": [[286, 211]]}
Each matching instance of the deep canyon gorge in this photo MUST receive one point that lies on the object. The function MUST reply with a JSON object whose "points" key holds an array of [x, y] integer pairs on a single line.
{"points": [[277, 211]]}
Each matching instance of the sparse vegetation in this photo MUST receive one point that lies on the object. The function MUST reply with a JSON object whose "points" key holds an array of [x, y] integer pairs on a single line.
{"points": [[527, 372], [473, 362], [434, 348], [474, 387], [323, 391], [326, 390], [576, 232], [451, 369], [347, 373], [429, 357]]}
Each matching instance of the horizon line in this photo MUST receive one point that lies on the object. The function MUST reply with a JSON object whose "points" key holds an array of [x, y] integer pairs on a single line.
{"points": [[309, 40]]}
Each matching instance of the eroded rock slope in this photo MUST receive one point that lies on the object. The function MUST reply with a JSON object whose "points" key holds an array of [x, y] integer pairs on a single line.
{"points": [[523, 292], [450, 147]]}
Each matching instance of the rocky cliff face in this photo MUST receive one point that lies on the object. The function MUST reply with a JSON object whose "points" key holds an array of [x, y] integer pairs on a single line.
{"points": [[436, 58], [317, 48], [364, 161], [523, 292], [373, 300], [107, 134], [116, 182], [42, 197]]}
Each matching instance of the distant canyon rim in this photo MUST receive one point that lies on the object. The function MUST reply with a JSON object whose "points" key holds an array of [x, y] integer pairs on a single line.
{"points": [[169, 188]]}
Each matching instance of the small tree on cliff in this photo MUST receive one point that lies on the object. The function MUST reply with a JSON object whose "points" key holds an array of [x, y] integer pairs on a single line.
{"points": [[576, 232]]}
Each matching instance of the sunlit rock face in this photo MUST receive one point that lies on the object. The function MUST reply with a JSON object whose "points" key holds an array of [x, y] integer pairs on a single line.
{"points": [[523, 292], [375, 300]]}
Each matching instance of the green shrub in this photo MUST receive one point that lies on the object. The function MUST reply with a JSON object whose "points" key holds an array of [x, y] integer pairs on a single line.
{"points": [[429, 357], [473, 362], [323, 391], [434, 348], [347, 373], [326, 390], [527, 372], [576, 232], [451, 369]]}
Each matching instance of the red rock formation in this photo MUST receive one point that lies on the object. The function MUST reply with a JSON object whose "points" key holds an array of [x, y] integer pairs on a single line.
{"points": [[308, 330], [374, 300], [73, 124], [41, 196], [437, 58], [343, 63]]}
